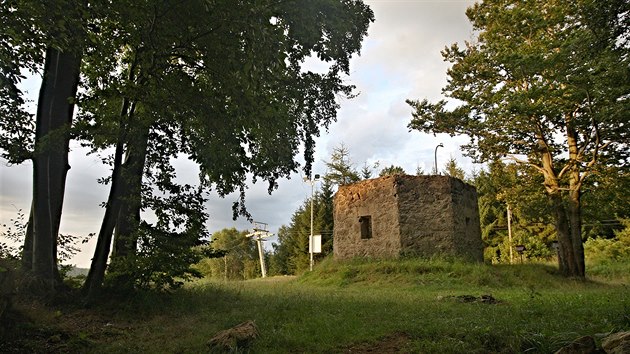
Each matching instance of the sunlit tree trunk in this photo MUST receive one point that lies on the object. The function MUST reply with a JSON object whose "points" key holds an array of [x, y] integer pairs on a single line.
{"points": [[568, 260], [575, 206]]}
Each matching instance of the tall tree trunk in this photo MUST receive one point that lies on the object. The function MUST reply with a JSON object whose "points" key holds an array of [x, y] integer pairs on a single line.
{"points": [[128, 218], [50, 162], [125, 238], [575, 222], [96, 274], [567, 258], [27, 250], [575, 186]]}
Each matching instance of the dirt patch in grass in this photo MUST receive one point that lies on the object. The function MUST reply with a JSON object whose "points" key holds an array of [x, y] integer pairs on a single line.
{"points": [[394, 343]]}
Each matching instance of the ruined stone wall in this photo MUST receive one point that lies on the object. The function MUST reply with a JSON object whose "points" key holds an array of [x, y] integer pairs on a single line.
{"points": [[467, 226], [439, 215], [426, 215], [375, 198], [414, 215]]}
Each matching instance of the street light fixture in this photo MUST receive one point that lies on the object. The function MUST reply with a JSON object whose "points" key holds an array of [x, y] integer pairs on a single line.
{"points": [[436, 168], [310, 240]]}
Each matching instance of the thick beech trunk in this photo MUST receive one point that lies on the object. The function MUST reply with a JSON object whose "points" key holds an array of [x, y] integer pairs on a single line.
{"points": [[125, 237], [127, 219], [570, 251], [574, 203], [96, 274], [566, 251], [122, 213], [117, 192], [575, 220], [27, 250], [50, 162]]}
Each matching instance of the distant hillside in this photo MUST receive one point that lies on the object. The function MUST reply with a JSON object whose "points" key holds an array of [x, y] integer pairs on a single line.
{"points": [[75, 272]]}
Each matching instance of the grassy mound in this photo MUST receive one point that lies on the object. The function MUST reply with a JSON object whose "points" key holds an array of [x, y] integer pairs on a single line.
{"points": [[435, 273]]}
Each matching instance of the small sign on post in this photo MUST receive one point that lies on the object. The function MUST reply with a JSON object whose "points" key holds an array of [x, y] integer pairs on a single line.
{"points": [[316, 247]]}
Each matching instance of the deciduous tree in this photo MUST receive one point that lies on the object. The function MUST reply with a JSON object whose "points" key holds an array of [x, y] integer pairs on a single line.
{"points": [[546, 82], [52, 32], [221, 82]]}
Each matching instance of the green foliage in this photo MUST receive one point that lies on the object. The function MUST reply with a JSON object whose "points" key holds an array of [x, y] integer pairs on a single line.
{"points": [[29, 27], [367, 171], [165, 251], [392, 170], [546, 83], [537, 239], [15, 232], [163, 260], [240, 257], [501, 184], [453, 170], [238, 102], [290, 254], [340, 169], [605, 200], [219, 82], [601, 250], [516, 76]]}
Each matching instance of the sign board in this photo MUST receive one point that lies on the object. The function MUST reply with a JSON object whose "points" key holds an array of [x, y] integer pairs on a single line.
{"points": [[317, 244]]}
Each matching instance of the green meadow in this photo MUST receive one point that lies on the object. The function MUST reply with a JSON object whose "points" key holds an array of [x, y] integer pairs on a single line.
{"points": [[405, 306]]}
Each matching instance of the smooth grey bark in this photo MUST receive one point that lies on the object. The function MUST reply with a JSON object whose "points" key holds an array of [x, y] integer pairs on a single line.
{"points": [[96, 274], [50, 160]]}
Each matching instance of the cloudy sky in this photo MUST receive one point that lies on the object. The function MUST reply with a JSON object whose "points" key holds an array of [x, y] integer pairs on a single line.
{"points": [[400, 60]]}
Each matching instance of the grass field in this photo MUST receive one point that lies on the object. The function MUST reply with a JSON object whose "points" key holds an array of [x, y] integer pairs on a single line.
{"points": [[408, 306]]}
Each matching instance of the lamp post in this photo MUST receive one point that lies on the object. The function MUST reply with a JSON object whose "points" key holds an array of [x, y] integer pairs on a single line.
{"points": [[310, 240], [436, 168]]}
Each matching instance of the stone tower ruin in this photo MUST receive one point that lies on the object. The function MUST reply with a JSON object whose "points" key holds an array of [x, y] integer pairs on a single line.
{"points": [[398, 215]]}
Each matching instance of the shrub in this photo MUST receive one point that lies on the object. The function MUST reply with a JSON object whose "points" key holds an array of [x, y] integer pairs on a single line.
{"points": [[600, 250]]}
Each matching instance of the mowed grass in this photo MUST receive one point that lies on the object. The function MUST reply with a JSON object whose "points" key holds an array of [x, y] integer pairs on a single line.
{"points": [[346, 307]]}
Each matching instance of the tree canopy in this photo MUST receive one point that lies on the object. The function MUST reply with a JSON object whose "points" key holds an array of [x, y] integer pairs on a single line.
{"points": [[547, 83], [221, 82], [392, 170]]}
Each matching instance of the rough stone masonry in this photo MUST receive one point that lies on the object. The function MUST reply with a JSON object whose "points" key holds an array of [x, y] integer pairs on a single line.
{"points": [[403, 215]]}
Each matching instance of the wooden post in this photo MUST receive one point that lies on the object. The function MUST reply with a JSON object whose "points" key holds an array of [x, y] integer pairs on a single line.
{"points": [[509, 220]]}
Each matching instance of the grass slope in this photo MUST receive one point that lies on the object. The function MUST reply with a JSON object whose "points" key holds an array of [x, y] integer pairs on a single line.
{"points": [[411, 306]]}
